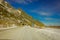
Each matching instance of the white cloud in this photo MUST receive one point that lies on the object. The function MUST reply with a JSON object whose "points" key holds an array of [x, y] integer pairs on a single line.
{"points": [[42, 13], [20, 1], [24, 1], [52, 19], [45, 14], [48, 18]]}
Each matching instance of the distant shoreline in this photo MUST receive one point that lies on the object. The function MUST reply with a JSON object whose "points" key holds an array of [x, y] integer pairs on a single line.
{"points": [[53, 27]]}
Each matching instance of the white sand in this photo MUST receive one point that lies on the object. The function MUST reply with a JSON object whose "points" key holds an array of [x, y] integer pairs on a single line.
{"points": [[29, 33]]}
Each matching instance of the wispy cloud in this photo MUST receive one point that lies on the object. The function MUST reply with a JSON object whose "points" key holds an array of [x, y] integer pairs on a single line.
{"points": [[45, 14], [48, 9], [42, 13], [49, 18], [52, 19], [24, 1]]}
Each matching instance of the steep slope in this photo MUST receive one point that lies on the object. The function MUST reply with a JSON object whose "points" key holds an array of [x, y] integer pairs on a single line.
{"points": [[10, 16]]}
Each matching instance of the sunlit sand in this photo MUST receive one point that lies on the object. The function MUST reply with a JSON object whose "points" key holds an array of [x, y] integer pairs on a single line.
{"points": [[29, 33]]}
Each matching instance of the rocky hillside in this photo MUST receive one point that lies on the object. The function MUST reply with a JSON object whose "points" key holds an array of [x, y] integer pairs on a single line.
{"points": [[10, 16]]}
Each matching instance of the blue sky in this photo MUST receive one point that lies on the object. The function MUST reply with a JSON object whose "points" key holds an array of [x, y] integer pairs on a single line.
{"points": [[46, 11]]}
